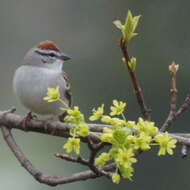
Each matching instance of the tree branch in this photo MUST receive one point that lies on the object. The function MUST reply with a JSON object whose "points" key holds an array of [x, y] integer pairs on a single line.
{"points": [[9, 121], [138, 92], [37, 174], [54, 128], [184, 107], [59, 129]]}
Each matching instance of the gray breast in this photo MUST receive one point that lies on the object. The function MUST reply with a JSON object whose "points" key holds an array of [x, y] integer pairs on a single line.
{"points": [[30, 85]]}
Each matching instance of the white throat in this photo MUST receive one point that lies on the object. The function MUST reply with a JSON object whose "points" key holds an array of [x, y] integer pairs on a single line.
{"points": [[57, 65]]}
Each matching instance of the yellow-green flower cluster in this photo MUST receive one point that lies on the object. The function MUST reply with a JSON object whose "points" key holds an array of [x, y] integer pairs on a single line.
{"points": [[97, 113], [166, 143], [116, 122], [121, 153], [125, 136], [73, 144], [125, 143], [80, 128], [74, 115], [117, 108], [76, 118], [102, 159], [141, 141], [147, 127], [116, 178], [53, 94]]}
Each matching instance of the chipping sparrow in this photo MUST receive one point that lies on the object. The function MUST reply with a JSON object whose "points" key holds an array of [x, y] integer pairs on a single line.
{"points": [[42, 69]]}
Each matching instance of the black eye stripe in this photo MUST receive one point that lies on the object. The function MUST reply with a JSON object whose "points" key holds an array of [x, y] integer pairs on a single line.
{"points": [[48, 59], [48, 53], [52, 55]]}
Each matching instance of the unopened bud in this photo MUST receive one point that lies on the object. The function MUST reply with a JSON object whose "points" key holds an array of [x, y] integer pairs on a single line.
{"points": [[124, 60], [132, 63], [173, 67]]}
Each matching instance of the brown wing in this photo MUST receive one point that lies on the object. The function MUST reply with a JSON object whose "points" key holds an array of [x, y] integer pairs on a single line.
{"points": [[68, 93]]}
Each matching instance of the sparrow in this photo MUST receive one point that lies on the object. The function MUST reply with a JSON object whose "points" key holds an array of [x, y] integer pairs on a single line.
{"points": [[42, 68]]}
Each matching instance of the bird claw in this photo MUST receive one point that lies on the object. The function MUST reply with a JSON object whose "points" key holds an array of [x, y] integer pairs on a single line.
{"points": [[46, 123], [26, 119], [54, 130]]}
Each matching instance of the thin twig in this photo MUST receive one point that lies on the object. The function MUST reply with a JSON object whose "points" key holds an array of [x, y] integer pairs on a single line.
{"points": [[181, 139], [173, 90], [91, 162], [185, 106], [138, 92], [173, 98], [98, 171], [66, 157]]}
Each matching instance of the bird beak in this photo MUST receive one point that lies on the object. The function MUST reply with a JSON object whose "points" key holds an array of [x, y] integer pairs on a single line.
{"points": [[64, 57]]}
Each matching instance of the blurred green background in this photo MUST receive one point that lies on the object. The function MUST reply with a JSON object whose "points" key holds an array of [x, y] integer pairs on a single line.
{"points": [[84, 30]]}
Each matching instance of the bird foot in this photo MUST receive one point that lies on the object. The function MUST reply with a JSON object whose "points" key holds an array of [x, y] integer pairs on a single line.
{"points": [[46, 123], [26, 119], [53, 128]]}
